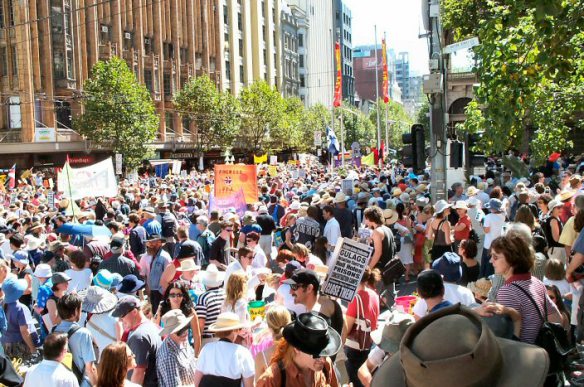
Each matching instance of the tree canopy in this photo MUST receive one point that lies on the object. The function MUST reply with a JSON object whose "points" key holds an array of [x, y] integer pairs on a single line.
{"points": [[118, 112]]}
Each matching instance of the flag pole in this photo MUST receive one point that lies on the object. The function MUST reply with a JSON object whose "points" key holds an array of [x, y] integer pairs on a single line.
{"points": [[377, 96], [70, 190]]}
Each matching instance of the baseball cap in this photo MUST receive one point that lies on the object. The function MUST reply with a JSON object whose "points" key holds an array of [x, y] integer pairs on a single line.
{"points": [[125, 306], [116, 244], [60, 278], [292, 266], [304, 277]]}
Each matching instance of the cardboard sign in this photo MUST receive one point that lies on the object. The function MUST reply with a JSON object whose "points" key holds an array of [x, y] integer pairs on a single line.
{"points": [[51, 199], [349, 261], [347, 186], [273, 160], [118, 163]]}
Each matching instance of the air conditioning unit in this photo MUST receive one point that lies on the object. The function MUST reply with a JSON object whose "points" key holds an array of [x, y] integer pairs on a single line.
{"points": [[104, 29], [127, 35]]}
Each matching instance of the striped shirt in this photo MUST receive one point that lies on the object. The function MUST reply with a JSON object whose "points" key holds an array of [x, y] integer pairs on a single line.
{"points": [[208, 307], [512, 297]]}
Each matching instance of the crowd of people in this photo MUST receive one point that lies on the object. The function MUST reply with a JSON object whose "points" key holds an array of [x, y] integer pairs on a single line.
{"points": [[153, 287]]}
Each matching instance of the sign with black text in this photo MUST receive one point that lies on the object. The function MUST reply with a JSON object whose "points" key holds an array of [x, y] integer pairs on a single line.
{"points": [[349, 261]]}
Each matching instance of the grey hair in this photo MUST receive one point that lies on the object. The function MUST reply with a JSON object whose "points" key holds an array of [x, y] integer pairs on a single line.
{"points": [[203, 220], [520, 230]]}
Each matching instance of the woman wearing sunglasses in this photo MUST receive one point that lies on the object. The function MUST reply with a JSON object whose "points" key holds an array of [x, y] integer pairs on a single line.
{"points": [[176, 297]]}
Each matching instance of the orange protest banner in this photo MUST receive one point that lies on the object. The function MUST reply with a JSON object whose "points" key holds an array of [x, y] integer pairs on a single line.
{"points": [[231, 178]]}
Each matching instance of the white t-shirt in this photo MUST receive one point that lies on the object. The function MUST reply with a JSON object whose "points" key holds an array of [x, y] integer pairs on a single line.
{"points": [[50, 373], [145, 261], [80, 280], [106, 323], [453, 293], [495, 222], [232, 268], [259, 258], [240, 309], [225, 359]]}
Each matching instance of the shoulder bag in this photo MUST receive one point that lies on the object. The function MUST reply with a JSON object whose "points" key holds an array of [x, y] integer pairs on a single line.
{"points": [[360, 336]]}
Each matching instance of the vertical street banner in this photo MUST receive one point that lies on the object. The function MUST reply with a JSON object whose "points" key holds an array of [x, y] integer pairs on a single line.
{"points": [[230, 178], [349, 261], [385, 73], [339, 80], [95, 180]]}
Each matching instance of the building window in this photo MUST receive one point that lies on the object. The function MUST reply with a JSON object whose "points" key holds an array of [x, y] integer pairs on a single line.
{"points": [[301, 60], [148, 46], [10, 13], [1, 14], [264, 33], [70, 65], [227, 70], [302, 82], [167, 80], [148, 80], [265, 56], [3, 61], [239, 22], [225, 15], [240, 47], [300, 40], [168, 119], [263, 9], [274, 15], [241, 74]]}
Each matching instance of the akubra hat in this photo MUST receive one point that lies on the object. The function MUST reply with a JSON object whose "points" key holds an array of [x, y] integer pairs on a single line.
{"points": [[227, 321], [453, 346], [174, 321], [389, 336], [130, 284], [97, 300], [312, 335]]}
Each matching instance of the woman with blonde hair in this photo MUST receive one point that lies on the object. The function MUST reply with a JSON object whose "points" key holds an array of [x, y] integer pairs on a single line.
{"points": [[277, 318], [116, 360], [235, 296]]}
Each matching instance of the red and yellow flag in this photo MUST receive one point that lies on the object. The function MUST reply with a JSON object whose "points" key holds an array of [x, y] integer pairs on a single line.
{"points": [[231, 178], [385, 74], [339, 80]]}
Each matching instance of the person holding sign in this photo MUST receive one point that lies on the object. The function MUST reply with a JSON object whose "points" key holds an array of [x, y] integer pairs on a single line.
{"points": [[382, 238]]}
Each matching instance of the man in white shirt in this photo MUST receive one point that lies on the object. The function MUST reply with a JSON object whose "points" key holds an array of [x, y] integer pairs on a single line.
{"points": [[243, 263], [332, 229], [449, 267], [50, 372]]}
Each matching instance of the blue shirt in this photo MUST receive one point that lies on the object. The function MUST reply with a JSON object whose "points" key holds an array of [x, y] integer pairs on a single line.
{"points": [[442, 305], [152, 226], [80, 346], [578, 246], [159, 263]]}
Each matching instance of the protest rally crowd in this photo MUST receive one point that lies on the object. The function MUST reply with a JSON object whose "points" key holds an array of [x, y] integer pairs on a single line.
{"points": [[161, 286]]}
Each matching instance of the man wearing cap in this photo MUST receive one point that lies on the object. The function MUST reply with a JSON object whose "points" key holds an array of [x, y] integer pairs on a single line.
{"points": [[80, 339], [154, 263], [142, 336], [309, 342], [118, 263], [174, 359]]}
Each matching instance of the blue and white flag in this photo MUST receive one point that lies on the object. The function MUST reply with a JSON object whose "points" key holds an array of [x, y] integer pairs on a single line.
{"points": [[333, 144]]}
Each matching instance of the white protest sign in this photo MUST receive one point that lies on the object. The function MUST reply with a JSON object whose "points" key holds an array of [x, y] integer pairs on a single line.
{"points": [[273, 160], [96, 180], [349, 261], [118, 163], [347, 186], [13, 196], [51, 199]]}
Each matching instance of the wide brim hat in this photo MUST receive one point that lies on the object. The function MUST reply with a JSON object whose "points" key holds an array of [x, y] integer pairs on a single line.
{"points": [[460, 205], [481, 287], [97, 300], [565, 195], [212, 277], [13, 289], [227, 321], [390, 216], [440, 206], [130, 284], [389, 335], [472, 191], [453, 345], [340, 197], [188, 265], [174, 321], [311, 334], [396, 192], [494, 204]]}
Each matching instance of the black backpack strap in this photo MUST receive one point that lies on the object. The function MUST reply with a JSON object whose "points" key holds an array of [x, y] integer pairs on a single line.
{"points": [[543, 317], [282, 373]]}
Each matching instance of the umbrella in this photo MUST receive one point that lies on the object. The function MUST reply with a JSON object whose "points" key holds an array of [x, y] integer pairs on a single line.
{"points": [[84, 229]]}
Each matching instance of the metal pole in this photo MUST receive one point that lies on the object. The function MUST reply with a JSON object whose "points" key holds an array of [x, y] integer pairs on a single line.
{"points": [[333, 106], [342, 140], [387, 129], [377, 96]]}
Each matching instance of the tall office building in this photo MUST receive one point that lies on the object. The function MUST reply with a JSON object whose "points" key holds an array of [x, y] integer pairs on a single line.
{"points": [[365, 67], [343, 29], [315, 50], [47, 50], [290, 86], [402, 74], [250, 40]]}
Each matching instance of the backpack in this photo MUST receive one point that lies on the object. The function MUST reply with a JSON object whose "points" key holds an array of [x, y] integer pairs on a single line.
{"points": [[547, 231], [275, 213], [69, 355], [168, 225]]}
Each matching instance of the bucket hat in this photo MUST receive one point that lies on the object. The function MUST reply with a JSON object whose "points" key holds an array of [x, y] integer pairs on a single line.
{"points": [[43, 270], [97, 300], [130, 284], [174, 321], [494, 204], [312, 335], [553, 204], [103, 279], [440, 206], [13, 289], [448, 265], [188, 265], [460, 205], [454, 345], [212, 277], [20, 256], [227, 321], [60, 278], [389, 335]]}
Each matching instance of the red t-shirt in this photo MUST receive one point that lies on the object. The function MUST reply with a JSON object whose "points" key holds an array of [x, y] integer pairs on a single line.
{"points": [[370, 301], [464, 234]]}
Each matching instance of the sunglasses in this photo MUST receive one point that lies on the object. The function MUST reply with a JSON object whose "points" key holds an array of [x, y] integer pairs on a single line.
{"points": [[175, 295], [296, 286], [229, 229]]}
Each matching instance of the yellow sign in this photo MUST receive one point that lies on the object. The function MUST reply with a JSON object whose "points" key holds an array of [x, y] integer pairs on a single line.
{"points": [[273, 170], [260, 159]]}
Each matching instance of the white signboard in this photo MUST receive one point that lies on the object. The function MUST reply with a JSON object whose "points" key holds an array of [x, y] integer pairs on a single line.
{"points": [[465, 44], [118, 163], [347, 186], [273, 160], [51, 199], [45, 135], [96, 180], [317, 138], [349, 261]]}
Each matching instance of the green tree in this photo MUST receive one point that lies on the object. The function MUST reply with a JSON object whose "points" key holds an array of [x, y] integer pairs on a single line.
{"points": [[357, 126], [398, 121], [262, 111], [118, 112], [215, 114], [315, 119], [289, 133], [530, 67]]}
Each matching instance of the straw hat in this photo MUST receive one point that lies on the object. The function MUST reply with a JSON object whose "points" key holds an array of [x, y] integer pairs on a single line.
{"points": [[212, 277], [472, 191], [390, 216], [188, 265], [227, 321], [396, 192], [173, 321], [565, 195], [481, 287], [340, 197]]}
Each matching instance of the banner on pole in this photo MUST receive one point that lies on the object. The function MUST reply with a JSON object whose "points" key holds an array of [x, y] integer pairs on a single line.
{"points": [[230, 178], [95, 180], [339, 80], [235, 200], [260, 159], [368, 160], [385, 74], [349, 261]]}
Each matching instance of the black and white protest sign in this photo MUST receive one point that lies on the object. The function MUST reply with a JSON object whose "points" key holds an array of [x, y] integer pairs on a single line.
{"points": [[349, 261]]}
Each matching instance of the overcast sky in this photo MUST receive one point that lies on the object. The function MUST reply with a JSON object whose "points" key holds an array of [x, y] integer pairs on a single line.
{"points": [[400, 19]]}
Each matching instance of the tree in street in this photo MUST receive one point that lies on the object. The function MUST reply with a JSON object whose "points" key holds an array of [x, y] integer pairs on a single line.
{"points": [[118, 112], [399, 122]]}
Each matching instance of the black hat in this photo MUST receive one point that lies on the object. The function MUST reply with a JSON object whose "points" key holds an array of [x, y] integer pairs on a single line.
{"points": [[154, 237], [47, 256], [125, 306], [117, 242], [187, 250], [130, 284], [304, 277], [311, 334]]}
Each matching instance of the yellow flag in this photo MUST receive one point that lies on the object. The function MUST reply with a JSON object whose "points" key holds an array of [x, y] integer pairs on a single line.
{"points": [[368, 160], [260, 159]]}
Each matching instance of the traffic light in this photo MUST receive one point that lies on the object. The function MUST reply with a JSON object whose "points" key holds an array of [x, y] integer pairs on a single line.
{"points": [[475, 158], [413, 152], [456, 151]]}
